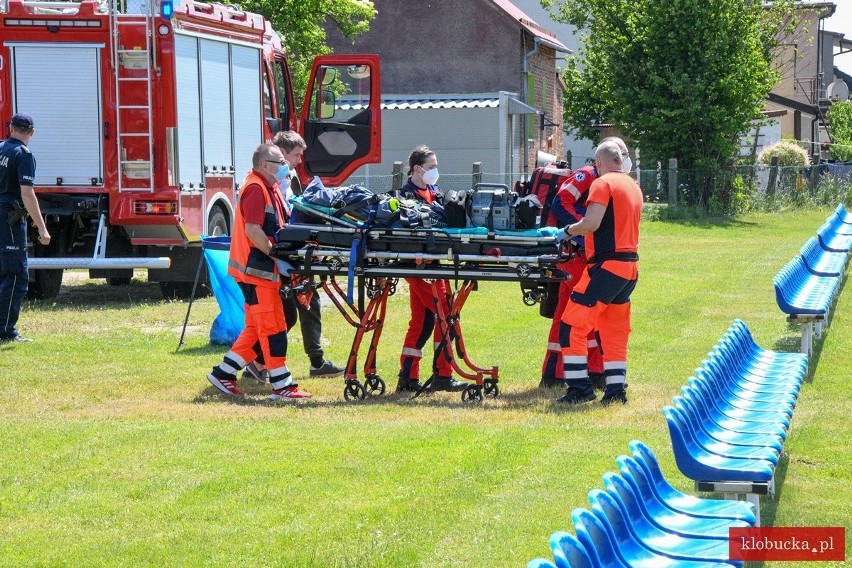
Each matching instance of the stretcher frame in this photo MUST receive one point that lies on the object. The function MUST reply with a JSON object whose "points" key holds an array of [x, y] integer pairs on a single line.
{"points": [[319, 254]]}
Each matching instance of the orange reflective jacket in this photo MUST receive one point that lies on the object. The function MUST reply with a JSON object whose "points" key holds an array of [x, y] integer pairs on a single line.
{"points": [[247, 263]]}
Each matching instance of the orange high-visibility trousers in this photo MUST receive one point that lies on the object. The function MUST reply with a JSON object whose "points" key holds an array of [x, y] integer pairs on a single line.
{"points": [[421, 325], [599, 301], [551, 367], [265, 333]]}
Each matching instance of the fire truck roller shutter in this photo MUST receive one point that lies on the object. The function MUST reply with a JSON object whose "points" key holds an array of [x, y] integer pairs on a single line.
{"points": [[248, 112], [216, 118], [188, 111], [61, 87]]}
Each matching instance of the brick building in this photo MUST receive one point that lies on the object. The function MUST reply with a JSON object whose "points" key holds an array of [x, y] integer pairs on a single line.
{"points": [[475, 80]]}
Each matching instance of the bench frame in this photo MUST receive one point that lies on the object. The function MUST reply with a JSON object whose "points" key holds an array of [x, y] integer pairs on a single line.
{"points": [[750, 490]]}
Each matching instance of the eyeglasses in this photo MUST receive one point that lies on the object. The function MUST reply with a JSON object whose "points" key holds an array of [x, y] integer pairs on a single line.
{"points": [[279, 162]]}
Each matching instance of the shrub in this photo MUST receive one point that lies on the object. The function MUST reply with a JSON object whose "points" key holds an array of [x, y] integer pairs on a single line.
{"points": [[788, 152]]}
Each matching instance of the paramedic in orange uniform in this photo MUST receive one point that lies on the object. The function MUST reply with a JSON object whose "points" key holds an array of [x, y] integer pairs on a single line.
{"points": [[601, 299], [569, 206], [260, 213], [423, 175]]}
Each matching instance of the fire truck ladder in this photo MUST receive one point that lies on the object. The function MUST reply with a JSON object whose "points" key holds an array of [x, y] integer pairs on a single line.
{"points": [[132, 65]]}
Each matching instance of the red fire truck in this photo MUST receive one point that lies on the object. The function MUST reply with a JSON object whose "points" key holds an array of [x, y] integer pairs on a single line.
{"points": [[147, 114]]}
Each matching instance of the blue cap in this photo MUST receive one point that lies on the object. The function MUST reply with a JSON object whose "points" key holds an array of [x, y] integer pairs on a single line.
{"points": [[22, 120]]}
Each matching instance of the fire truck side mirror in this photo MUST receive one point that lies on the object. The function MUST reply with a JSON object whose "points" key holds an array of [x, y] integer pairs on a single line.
{"points": [[325, 105]]}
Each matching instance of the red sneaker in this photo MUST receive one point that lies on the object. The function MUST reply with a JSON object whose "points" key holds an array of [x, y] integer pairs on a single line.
{"points": [[227, 386], [292, 392]]}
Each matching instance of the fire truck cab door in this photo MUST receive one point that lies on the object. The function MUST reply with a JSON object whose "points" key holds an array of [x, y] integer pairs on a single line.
{"points": [[341, 120]]}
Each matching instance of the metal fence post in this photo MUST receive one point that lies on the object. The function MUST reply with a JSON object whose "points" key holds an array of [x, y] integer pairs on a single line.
{"points": [[397, 176], [672, 181], [814, 176], [569, 158], [476, 174], [773, 177]]}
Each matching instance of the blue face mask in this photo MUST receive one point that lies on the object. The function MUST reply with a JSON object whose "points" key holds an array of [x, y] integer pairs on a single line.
{"points": [[282, 173]]}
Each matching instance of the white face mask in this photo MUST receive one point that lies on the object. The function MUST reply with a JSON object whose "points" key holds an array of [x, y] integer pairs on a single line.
{"points": [[628, 164], [430, 177]]}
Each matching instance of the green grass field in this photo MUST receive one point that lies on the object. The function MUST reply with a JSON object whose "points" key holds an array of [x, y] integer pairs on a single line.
{"points": [[117, 452]]}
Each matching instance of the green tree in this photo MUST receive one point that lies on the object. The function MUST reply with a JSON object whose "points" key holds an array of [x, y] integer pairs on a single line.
{"points": [[300, 24], [840, 121], [681, 78]]}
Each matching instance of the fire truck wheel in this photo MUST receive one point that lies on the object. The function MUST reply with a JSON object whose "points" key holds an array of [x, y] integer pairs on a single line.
{"points": [[217, 224], [44, 284]]}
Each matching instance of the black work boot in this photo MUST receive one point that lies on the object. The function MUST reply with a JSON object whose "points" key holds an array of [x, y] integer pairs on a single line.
{"points": [[614, 393], [578, 392], [447, 384], [407, 385]]}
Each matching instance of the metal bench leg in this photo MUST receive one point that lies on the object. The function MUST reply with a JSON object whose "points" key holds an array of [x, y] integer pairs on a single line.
{"points": [[807, 337], [755, 498]]}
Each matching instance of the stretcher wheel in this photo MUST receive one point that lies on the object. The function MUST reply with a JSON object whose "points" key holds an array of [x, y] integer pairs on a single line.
{"points": [[374, 385], [335, 264], [354, 391], [523, 270], [491, 389], [472, 394]]}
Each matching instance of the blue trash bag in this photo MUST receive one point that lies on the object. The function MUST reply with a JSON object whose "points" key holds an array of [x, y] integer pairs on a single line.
{"points": [[231, 319]]}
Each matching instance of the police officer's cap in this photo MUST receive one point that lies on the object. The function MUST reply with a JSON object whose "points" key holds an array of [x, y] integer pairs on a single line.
{"points": [[22, 120]]}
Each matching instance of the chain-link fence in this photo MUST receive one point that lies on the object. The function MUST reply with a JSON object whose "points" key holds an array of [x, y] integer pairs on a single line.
{"points": [[748, 187], [384, 183], [723, 191]]}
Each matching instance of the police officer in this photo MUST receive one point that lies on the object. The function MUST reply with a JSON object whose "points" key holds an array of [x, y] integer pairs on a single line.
{"points": [[17, 199]]}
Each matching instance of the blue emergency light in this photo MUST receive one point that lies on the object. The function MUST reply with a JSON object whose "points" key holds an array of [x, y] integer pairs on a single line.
{"points": [[167, 9]]}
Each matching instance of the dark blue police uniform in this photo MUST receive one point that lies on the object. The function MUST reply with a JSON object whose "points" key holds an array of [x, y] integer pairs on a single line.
{"points": [[17, 168]]}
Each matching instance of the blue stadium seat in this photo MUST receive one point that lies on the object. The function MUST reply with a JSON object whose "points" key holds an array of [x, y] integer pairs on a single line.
{"points": [[608, 550], [798, 292], [601, 544], [723, 449], [831, 240], [724, 369], [844, 215], [635, 472], [736, 419], [540, 563], [722, 398], [743, 339], [836, 224], [699, 464], [757, 369], [822, 262], [700, 420], [635, 527], [568, 552], [664, 518]]}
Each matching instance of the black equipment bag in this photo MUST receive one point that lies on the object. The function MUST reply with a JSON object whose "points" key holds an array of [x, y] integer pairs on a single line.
{"points": [[547, 308], [455, 208], [528, 213]]}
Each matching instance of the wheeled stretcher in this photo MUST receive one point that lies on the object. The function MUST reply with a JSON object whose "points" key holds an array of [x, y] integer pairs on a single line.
{"points": [[374, 258]]}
